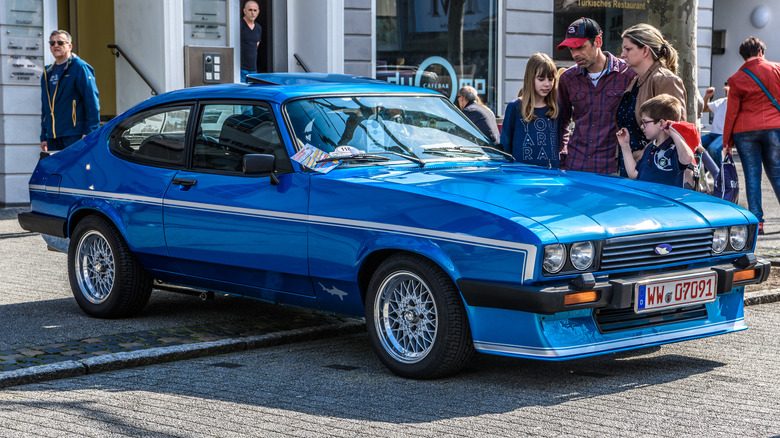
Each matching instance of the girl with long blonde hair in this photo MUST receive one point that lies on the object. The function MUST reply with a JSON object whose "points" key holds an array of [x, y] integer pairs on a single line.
{"points": [[530, 128]]}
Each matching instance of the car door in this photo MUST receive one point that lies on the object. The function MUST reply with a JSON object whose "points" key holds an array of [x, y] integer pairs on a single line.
{"points": [[240, 232]]}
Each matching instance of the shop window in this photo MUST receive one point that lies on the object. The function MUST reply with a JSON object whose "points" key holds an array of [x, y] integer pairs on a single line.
{"points": [[417, 45], [612, 16]]}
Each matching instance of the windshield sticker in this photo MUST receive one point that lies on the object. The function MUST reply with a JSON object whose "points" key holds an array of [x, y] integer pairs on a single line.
{"points": [[309, 155], [346, 151]]}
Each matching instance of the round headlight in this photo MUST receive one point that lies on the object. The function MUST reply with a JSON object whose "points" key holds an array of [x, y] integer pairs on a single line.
{"points": [[738, 237], [719, 239], [554, 258], [582, 255]]}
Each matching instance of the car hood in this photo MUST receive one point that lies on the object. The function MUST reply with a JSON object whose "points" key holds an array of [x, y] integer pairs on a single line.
{"points": [[573, 203]]}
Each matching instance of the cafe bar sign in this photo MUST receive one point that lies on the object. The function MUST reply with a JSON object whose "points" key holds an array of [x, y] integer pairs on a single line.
{"points": [[21, 41], [619, 4]]}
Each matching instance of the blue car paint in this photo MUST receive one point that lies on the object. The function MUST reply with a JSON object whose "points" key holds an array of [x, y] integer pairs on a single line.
{"points": [[483, 221], [225, 226], [571, 335]]}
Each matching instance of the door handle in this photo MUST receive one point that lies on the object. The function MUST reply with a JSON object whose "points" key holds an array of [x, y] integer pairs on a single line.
{"points": [[185, 181]]}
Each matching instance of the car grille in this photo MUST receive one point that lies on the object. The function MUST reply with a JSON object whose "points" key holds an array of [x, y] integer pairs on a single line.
{"points": [[639, 251], [625, 319]]}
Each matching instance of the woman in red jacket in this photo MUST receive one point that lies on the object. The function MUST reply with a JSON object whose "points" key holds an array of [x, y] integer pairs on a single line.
{"points": [[753, 123]]}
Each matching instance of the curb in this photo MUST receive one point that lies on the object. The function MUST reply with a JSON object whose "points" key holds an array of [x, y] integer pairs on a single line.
{"points": [[762, 297], [116, 361]]}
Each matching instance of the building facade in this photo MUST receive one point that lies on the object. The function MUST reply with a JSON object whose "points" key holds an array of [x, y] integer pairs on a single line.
{"points": [[143, 47]]}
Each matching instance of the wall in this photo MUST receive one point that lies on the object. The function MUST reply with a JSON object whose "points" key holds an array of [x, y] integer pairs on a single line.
{"points": [[151, 32], [315, 32], [359, 44], [20, 115], [527, 25], [734, 16]]}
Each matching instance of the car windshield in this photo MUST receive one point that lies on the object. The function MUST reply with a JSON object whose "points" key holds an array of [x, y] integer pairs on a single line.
{"points": [[420, 129]]}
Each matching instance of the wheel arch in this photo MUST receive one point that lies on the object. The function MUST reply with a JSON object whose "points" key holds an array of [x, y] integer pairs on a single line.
{"points": [[97, 208], [375, 258]]}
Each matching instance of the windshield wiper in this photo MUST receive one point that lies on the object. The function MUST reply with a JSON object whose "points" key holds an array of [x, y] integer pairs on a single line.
{"points": [[414, 160], [361, 157], [374, 156], [468, 150], [506, 155]]}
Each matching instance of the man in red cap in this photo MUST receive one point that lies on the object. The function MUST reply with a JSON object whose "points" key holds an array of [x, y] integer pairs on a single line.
{"points": [[589, 94]]}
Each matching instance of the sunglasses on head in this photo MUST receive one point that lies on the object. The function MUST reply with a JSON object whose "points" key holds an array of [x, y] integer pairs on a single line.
{"points": [[59, 43]]}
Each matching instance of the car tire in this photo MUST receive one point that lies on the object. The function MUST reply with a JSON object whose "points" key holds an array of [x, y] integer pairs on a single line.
{"points": [[106, 278], [416, 320]]}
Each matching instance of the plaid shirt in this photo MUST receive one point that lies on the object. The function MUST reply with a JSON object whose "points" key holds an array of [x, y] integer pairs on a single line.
{"points": [[592, 146]]}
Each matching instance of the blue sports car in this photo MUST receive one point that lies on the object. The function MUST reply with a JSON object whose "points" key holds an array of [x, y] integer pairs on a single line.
{"points": [[363, 198]]}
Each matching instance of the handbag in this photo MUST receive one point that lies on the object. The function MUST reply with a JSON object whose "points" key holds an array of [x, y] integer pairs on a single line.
{"points": [[727, 181]]}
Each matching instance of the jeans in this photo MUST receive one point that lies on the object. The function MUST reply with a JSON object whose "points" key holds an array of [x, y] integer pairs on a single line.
{"points": [[246, 72], [714, 145], [60, 143], [757, 148]]}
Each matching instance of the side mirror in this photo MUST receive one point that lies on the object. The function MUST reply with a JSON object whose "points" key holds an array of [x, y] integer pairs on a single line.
{"points": [[259, 164]]}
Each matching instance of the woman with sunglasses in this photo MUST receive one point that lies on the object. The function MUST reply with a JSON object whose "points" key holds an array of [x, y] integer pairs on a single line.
{"points": [[69, 96]]}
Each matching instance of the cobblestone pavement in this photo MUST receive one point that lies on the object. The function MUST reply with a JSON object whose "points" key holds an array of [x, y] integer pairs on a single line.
{"points": [[43, 328], [282, 319], [723, 386]]}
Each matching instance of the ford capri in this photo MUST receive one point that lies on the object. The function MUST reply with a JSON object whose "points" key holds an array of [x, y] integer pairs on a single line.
{"points": [[357, 197]]}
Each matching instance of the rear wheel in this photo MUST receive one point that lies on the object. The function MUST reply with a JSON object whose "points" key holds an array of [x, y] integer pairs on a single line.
{"points": [[416, 320], [106, 278]]}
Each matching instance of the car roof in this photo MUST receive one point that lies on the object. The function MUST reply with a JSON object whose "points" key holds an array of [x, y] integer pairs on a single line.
{"points": [[278, 87]]}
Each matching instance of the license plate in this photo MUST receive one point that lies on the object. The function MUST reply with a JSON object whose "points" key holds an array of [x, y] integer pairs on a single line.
{"points": [[668, 293]]}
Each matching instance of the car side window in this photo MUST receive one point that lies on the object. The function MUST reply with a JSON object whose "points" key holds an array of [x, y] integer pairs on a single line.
{"points": [[228, 132], [155, 137]]}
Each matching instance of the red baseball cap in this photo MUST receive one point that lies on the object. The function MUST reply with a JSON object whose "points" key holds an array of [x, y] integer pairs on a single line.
{"points": [[579, 32], [688, 132]]}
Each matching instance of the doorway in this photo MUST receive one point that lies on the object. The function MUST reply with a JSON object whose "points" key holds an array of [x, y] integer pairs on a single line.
{"points": [[264, 19], [91, 24]]}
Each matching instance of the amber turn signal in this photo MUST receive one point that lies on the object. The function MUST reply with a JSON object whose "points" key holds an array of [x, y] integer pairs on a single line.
{"points": [[749, 274], [581, 298]]}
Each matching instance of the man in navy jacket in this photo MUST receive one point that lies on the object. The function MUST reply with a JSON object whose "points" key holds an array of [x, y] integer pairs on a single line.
{"points": [[469, 102], [69, 96]]}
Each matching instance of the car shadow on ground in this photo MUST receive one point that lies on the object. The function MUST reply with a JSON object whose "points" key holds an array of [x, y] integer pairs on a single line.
{"points": [[341, 378]]}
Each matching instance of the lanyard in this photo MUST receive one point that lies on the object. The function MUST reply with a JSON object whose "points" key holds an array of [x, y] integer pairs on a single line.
{"points": [[52, 97]]}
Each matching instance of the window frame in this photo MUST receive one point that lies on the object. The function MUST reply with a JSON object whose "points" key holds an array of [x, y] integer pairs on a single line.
{"points": [[128, 122], [200, 107]]}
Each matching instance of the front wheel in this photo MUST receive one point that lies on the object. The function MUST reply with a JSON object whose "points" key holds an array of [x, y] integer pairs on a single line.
{"points": [[106, 278], [416, 320]]}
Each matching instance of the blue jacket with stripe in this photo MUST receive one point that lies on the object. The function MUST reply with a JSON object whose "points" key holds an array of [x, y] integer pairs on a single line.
{"points": [[73, 108]]}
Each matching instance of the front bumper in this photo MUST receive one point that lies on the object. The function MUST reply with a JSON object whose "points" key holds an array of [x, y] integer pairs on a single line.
{"points": [[611, 294]]}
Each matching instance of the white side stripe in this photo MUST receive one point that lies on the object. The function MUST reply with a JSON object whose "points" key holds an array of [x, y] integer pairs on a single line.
{"points": [[506, 245]]}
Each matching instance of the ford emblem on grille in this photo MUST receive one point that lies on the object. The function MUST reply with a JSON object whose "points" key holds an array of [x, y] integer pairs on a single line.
{"points": [[663, 249]]}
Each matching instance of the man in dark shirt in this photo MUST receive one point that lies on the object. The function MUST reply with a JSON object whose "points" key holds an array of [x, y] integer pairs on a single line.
{"points": [[251, 35], [589, 94], [469, 102]]}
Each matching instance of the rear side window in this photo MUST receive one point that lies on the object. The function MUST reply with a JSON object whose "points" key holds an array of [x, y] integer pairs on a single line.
{"points": [[155, 137], [227, 132]]}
